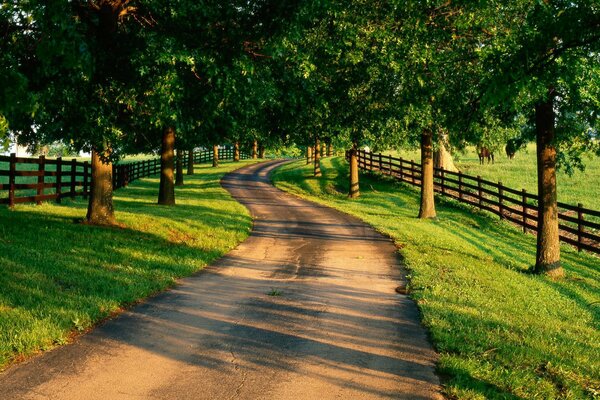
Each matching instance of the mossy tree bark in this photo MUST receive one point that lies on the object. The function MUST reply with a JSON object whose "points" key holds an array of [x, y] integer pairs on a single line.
{"points": [[353, 191], [236, 151], [215, 155], [190, 162], [166, 192], [179, 168], [427, 209], [100, 205], [317, 169], [329, 148], [548, 245], [254, 150], [261, 151], [308, 154]]}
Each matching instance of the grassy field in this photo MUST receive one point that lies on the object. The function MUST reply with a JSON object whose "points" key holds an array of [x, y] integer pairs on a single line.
{"points": [[58, 277], [520, 173], [501, 332]]}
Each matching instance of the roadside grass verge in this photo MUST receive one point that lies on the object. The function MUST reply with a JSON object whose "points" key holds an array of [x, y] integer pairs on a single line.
{"points": [[501, 332], [58, 277]]}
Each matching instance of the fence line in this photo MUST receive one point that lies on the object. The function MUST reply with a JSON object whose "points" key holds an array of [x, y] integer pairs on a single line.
{"points": [[516, 206], [72, 178]]}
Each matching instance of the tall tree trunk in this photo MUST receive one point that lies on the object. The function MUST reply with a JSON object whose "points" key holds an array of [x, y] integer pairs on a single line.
{"points": [[427, 209], [353, 191], [166, 192], [179, 169], [317, 157], [215, 155], [329, 148], [442, 157], [100, 205], [236, 151], [308, 154], [254, 150], [548, 245], [261, 151], [190, 162]]}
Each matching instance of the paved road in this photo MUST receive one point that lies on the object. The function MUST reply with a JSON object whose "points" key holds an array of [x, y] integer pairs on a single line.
{"points": [[304, 309]]}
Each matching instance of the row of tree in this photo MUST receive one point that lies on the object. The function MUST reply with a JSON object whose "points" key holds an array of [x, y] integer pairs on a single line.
{"points": [[120, 76], [482, 73]]}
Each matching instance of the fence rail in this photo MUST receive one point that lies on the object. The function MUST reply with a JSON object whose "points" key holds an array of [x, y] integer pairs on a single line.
{"points": [[27, 180], [517, 206]]}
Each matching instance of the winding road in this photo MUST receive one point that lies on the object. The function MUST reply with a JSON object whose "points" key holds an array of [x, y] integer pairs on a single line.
{"points": [[305, 308]]}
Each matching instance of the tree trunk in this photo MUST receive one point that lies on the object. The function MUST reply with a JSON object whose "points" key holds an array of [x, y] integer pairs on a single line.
{"points": [[329, 149], [166, 192], [190, 162], [254, 150], [100, 205], [236, 151], [308, 154], [442, 157], [353, 191], [261, 151], [548, 245], [427, 209], [317, 170], [179, 169], [215, 155]]}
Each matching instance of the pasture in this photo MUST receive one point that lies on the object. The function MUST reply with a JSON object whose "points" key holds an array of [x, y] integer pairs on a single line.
{"points": [[520, 173]]}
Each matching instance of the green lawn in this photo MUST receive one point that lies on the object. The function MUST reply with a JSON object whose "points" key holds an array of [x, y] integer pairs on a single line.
{"points": [[58, 277], [501, 332], [520, 173]]}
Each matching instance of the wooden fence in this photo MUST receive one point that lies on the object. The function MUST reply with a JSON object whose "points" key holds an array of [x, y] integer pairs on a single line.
{"points": [[579, 226], [26, 180]]}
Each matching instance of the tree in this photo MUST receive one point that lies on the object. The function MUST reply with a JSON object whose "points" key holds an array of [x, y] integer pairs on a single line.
{"points": [[545, 63]]}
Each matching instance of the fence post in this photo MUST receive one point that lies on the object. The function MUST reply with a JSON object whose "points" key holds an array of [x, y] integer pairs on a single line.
{"points": [[370, 161], [412, 171], [443, 180], [579, 225], [58, 179], [401, 165], [86, 190], [390, 172], [479, 190], [73, 176], [126, 167], [500, 200], [11, 179], [41, 180], [524, 209], [380, 163], [460, 185]]}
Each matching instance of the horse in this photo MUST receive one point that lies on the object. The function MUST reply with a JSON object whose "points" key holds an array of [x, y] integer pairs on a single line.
{"points": [[485, 153]]}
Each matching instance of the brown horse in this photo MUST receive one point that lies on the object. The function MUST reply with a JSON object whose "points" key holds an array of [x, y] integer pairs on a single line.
{"points": [[485, 153]]}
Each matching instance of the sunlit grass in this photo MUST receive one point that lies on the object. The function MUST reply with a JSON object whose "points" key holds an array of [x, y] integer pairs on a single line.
{"points": [[58, 277], [501, 332], [520, 173]]}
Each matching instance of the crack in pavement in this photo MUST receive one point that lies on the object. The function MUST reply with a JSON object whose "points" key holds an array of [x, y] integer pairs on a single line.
{"points": [[338, 329]]}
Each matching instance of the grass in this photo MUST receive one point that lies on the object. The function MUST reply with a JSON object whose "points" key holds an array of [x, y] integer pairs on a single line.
{"points": [[58, 277], [520, 173], [501, 332]]}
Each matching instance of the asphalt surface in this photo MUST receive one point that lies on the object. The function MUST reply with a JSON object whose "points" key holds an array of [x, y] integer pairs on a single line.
{"points": [[305, 308]]}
